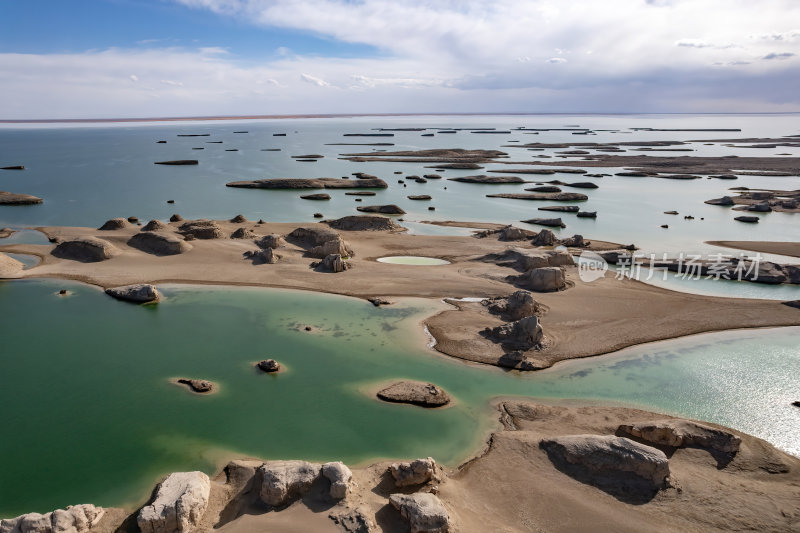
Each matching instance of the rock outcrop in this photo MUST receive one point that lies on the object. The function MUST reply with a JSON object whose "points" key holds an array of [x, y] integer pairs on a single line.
{"points": [[552, 196], [178, 506], [176, 218], [157, 243], [85, 250], [749, 219], [424, 512], [523, 334], [115, 224], [316, 196], [269, 365], [315, 183], [178, 162], [414, 472], [511, 233], [489, 180], [333, 246], [155, 225], [266, 256], [544, 279], [10, 198], [140, 293], [389, 209], [282, 481], [415, 393], [340, 477], [364, 223], [201, 229], [680, 433], [243, 233], [312, 235], [73, 519], [239, 219], [603, 455], [518, 305], [334, 263], [724, 201], [200, 386], [551, 222], [545, 238], [273, 240]]}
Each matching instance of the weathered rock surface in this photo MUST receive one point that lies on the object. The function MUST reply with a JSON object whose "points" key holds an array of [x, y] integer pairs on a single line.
{"points": [[176, 218], [416, 393], [73, 519], [85, 250], [239, 219], [201, 229], [551, 222], [155, 225], [312, 235], [353, 521], [576, 241], [200, 386], [545, 238], [389, 209], [243, 233], [679, 433], [364, 223], [587, 214], [725, 201], [10, 267], [318, 196], [265, 256], [282, 481], [178, 162], [518, 305], [10, 198], [424, 512], [333, 246], [340, 477], [751, 220], [140, 293], [544, 188], [544, 279], [561, 208], [334, 263], [523, 334], [415, 472], [583, 185], [606, 454], [317, 183], [273, 240], [157, 243], [269, 365], [178, 506], [114, 224], [511, 233], [490, 180], [552, 196], [559, 258], [419, 197]]}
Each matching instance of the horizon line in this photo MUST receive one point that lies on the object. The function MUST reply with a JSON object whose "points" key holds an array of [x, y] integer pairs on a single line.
{"points": [[353, 115]]}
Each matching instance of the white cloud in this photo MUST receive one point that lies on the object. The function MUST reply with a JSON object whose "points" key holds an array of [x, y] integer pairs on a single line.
{"points": [[556, 60], [134, 77], [314, 80]]}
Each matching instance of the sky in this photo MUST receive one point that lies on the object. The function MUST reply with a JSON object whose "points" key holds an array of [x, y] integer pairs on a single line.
{"points": [[173, 58]]}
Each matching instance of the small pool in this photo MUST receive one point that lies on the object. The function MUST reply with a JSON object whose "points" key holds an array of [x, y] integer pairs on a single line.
{"points": [[412, 260]]}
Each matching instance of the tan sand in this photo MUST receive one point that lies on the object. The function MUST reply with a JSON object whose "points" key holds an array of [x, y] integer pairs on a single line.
{"points": [[512, 486], [587, 319], [791, 249]]}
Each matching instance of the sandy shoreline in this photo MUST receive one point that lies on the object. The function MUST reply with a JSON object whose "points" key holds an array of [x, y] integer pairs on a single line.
{"points": [[790, 249]]}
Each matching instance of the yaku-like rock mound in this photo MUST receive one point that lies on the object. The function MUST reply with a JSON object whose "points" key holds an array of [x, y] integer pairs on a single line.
{"points": [[85, 250], [269, 365], [544, 188], [340, 477], [680, 433], [334, 263], [10, 198], [140, 293], [265, 256], [155, 225], [156, 243], [545, 238], [273, 240], [200, 386], [390, 209], [176, 218], [415, 472], [310, 183], [550, 222], [73, 519], [201, 229], [115, 224], [180, 502], [282, 481], [489, 180], [516, 306], [318, 196], [424, 512], [603, 455], [364, 223], [312, 235], [544, 279], [419, 197], [552, 196], [178, 162], [243, 233], [561, 208], [333, 246], [239, 219], [524, 334], [416, 393]]}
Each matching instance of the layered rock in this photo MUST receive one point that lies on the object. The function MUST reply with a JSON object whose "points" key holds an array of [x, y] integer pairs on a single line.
{"points": [[414, 472], [10, 198], [157, 243], [680, 433], [389, 209], [273, 240], [364, 223], [85, 250], [544, 279], [155, 225], [489, 180], [316, 183], [178, 506], [511, 233], [334, 263], [201, 229], [415, 393], [282, 481], [73, 519], [518, 305], [333, 246], [545, 238], [552, 222], [243, 233], [140, 293], [114, 224], [267, 256], [425, 512], [317, 196], [340, 477], [312, 235], [523, 334], [606, 454]]}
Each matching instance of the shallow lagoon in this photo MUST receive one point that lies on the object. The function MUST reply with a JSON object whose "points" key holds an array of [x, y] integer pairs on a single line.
{"points": [[88, 411]]}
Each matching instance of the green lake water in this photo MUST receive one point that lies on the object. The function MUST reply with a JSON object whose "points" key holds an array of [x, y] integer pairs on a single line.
{"points": [[89, 414]]}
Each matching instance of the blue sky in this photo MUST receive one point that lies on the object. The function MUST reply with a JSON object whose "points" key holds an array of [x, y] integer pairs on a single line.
{"points": [[128, 58]]}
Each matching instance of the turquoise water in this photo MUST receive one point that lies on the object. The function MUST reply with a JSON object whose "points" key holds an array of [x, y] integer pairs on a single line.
{"points": [[89, 413]]}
